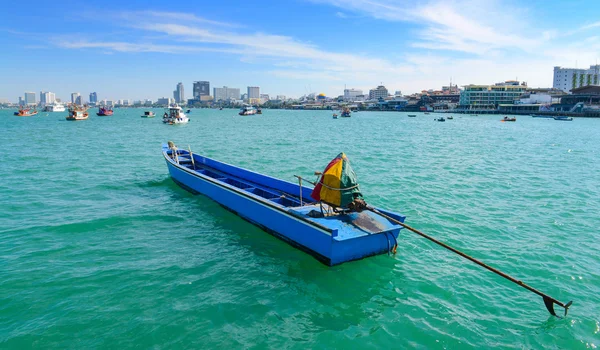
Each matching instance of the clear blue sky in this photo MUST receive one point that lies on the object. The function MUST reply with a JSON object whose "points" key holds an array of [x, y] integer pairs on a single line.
{"points": [[141, 49]]}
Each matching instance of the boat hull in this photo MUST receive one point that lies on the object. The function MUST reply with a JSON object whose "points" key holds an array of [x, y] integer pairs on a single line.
{"points": [[327, 245]]}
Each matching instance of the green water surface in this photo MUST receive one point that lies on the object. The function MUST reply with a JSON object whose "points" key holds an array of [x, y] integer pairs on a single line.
{"points": [[100, 249]]}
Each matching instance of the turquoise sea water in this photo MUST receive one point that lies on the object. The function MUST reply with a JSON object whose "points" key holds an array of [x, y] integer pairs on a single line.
{"points": [[100, 249]]}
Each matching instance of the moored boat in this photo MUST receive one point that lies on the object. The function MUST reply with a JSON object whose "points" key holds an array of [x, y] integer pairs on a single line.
{"points": [[175, 115], [507, 119], [335, 116], [450, 118], [148, 114], [105, 111], [440, 119], [54, 107], [78, 113], [345, 112], [248, 110], [542, 116], [303, 217], [412, 115], [26, 112], [563, 118]]}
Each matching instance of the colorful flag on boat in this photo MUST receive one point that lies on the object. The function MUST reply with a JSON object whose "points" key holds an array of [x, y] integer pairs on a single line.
{"points": [[338, 184]]}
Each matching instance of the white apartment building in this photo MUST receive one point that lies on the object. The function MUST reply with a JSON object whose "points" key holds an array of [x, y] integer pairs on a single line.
{"points": [[351, 94], [567, 79], [225, 94]]}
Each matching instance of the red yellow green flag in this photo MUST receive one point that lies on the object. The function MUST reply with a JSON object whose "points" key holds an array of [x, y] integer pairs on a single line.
{"points": [[338, 185]]}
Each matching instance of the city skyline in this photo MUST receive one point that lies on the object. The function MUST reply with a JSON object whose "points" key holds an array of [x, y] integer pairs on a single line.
{"points": [[306, 48]]}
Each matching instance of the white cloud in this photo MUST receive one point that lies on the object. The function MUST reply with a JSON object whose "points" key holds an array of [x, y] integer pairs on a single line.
{"points": [[341, 15], [470, 26], [490, 37]]}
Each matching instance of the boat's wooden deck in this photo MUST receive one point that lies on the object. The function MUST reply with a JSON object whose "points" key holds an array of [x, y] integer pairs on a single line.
{"points": [[350, 225]]}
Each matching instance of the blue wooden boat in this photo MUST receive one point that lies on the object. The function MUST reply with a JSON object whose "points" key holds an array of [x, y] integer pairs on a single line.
{"points": [[563, 118], [285, 209]]}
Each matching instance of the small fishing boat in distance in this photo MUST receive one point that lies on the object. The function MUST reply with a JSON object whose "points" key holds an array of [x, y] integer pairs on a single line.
{"points": [[563, 118], [507, 119], [412, 115], [188, 111], [105, 111], [26, 112], [450, 118], [345, 112], [335, 116], [247, 110], [77, 113], [440, 119], [331, 232], [175, 115], [148, 114], [542, 116], [258, 110]]}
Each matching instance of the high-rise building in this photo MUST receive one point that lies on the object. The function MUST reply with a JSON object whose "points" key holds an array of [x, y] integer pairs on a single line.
{"points": [[253, 92], [378, 92], [47, 98], [74, 97], [164, 101], [29, 98], [201, 88], [93, 98], [226, 94], [350, 94], [178, 94], [79, 101], [567, 79], [21, 101]]}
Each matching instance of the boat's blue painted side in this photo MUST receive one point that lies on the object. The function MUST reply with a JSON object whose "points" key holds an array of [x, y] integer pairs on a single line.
{"points": [[261, 200]]}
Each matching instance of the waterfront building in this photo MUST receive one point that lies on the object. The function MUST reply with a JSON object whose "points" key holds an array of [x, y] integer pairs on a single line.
{"points": [[178, 94], [281, 97], [74, 97], [588, 95], [109, 103], [567, 79], [226, 94], [201, 88], [29, 99], [93, 98], [490, 96], [253, 92], [21, 101], [378, 92], [165, 101], [398, 93], [264, 97], [350, 94]]}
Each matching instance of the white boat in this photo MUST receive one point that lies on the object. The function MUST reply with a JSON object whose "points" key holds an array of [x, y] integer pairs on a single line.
{"points": [[175, 115], [248, 110], [148, 114], [78, 113], [54, 107]]}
